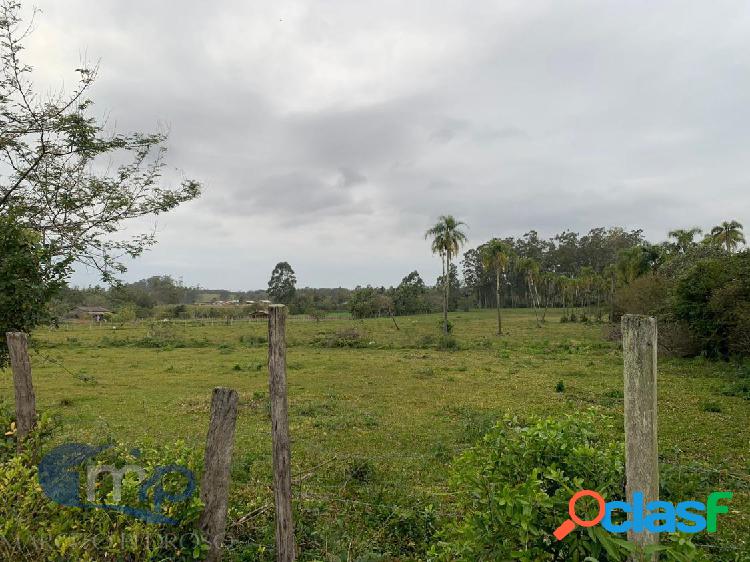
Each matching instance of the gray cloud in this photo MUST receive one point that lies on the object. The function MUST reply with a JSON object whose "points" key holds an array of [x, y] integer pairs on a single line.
{"points": [[353, 125]]}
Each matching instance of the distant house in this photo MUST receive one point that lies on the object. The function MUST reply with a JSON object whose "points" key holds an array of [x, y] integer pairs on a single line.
{"points": [[259, 314], [93, 313]]}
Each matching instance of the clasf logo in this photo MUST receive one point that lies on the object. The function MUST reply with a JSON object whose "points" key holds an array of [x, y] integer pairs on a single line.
{"points": [[654, 516], [59, 475]]}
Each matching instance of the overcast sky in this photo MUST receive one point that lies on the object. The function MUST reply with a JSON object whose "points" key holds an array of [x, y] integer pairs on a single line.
{"points": [[332, 134]]}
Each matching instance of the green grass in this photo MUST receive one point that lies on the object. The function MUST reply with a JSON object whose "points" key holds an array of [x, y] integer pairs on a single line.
{"points": [[375, 423]]}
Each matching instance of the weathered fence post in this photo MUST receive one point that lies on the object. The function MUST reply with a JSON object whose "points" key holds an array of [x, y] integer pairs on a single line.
{"points": [[215, 482], [282, 475], [18, 347], [639, 341]]}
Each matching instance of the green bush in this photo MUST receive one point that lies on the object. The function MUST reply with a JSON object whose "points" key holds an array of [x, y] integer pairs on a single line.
{"points": [[350, 337], [449, 326], [448, 343], [512, 491], [253, 340], [36, 528], [713, 298], [29, 278], [647, 294]]}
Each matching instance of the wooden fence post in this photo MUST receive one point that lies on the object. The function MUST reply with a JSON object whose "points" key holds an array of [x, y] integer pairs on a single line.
{"points": [[18, 348], [282, 475], [215, 481], [639, 343]]}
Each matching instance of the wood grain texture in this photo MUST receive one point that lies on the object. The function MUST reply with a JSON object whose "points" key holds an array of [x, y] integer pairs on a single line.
{"points": [[282, 473], [18, 347], [218, 460]]}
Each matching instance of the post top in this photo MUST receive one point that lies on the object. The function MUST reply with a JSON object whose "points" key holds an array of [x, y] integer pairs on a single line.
{"points": [[637, 319]]}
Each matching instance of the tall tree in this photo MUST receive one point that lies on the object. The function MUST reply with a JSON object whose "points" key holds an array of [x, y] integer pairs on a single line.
{"points": [[495, 256], [531, 270], [283, 283], [476, 276], [447, 238], [684, 238], [728, 234], [409, 296], [56, 164], [637, 261]]}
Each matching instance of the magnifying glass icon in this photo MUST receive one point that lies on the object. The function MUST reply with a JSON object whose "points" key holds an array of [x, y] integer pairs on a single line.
{"points": [[569, 524]]}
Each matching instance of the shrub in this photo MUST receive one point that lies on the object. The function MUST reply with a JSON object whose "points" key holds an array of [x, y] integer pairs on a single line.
{"points": [[647, 294], [713, 407], [36, 528], [449, 325], [361, 470], [448, 343], [713, 299], [560, 386], [349, 337], [253, 340], [427, 341], [514, 486]]}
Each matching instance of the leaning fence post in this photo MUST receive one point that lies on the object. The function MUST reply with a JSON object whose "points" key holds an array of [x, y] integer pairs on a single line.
{"points": [[639, 343], [18, 348], [215, 481], [282, 476]]}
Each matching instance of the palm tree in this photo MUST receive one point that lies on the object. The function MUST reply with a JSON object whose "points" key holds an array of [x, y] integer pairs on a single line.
{"points": [[495, 257], [447, 238], [728, 234], [631, 264], [684, 238]]}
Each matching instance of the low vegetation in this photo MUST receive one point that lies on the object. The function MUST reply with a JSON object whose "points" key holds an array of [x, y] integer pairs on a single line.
{"points": [[386, 432]]}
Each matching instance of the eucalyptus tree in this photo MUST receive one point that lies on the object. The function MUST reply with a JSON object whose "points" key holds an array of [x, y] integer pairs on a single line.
{"points": [[282, 285], [530, 270], [728, 234], [610, 274], [550, 284], [447, 238], [495, 257]]}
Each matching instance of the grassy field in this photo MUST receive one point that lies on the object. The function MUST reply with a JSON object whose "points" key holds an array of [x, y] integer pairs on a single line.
{"points": [[375, 426]]}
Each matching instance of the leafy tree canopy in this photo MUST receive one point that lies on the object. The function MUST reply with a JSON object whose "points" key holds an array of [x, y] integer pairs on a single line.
{"points": [[29, 278], [64, 175], [282, 285]]}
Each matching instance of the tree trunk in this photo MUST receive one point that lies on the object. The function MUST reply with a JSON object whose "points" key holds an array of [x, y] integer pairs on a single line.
{"points": [[497, 298], [446, 290]]}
